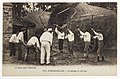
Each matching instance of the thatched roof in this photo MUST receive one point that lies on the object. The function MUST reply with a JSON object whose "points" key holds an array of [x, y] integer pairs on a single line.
{"points": [[86, 16], [40, 20], [83, 11], [17, 21]]}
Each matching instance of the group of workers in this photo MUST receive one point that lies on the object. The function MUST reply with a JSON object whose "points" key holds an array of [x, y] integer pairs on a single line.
{"points": [[44, 43]]}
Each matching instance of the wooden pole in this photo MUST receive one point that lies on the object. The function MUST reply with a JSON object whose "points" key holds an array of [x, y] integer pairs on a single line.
{"points": [[63, 10]]}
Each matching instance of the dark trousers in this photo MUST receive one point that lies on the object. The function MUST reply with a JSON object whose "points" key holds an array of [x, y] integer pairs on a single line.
{"points": [[60, 44], [70, 45], [29, 50], [19, 49], [12, 49], [86, 46]]}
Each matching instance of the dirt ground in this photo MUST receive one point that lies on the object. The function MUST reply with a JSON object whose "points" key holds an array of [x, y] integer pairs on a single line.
{"points": [[65, 58]]}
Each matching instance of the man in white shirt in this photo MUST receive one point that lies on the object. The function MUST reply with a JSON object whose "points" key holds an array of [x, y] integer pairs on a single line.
{"points": [[70, 37], [99, 36], [20, 42], [46, 41], [87, 39], [12, 42], [32, 45], [61, 37]]}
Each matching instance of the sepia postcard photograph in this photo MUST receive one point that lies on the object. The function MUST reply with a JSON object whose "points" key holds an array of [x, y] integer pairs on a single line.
{"points": [[59, 39]]}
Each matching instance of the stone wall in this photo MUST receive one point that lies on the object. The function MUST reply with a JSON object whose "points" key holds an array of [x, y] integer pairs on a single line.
{"points": [[7, 24]]}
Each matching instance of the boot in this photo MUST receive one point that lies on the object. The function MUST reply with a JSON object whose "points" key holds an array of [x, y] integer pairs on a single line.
{"points": [[87, 56], [61, 51], [10, 54], [98, 59], [103, 59]]}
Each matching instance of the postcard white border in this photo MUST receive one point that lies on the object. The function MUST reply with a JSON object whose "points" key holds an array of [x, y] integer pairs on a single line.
{"points": [[63, 77]]}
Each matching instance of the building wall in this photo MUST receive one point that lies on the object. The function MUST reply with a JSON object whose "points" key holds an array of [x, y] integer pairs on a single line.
{"points": [[7, 24], [30, 32]]}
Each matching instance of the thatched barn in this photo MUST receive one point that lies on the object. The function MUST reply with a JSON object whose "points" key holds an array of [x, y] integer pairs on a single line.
{"points": [[86, 16]]}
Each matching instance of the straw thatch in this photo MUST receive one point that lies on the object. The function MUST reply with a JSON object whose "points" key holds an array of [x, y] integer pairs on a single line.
{"points": [[86, 16]]}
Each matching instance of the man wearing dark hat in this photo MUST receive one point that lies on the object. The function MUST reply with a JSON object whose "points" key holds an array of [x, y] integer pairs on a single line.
{"points": [[20, 42], [99, 36], [87, 39], [46, 41]]}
